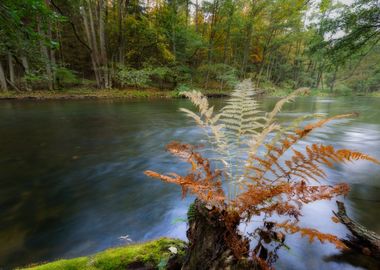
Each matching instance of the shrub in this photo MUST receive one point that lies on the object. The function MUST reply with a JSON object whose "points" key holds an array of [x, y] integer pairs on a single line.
{"points": [[134, 77], [65, 76]]}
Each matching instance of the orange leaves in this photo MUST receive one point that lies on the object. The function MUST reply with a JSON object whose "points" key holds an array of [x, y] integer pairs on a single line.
{"points": [[284, 198], [312, 234], [275, 152], [335, 219], [308, 128], [306, 193], [201, 181], [306, 167], [256, 198], [349, 155]]}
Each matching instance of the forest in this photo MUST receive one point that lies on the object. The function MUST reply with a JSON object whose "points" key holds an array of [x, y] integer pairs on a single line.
{"points": [[177, 45]]}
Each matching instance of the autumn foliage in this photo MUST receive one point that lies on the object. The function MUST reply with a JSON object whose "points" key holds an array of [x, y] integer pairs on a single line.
{"points": [[272, 184]]}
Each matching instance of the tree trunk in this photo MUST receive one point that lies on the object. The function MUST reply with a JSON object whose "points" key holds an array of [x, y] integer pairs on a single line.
{"points": [[3, 81], [11, 68], [228, 31], [94, 59], [332, 84], [208, 245], [45, 55], [196, 16], [102, 42], [53, 62]]}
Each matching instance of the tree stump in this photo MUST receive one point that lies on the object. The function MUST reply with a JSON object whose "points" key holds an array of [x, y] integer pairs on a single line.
{"points": [[208, 236]]}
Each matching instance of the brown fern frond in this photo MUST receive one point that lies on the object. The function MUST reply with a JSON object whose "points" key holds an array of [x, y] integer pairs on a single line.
{"points": [[256, 195], [180, 150], [282, 209], [206, 190], [307, 166], [312, 234], [308, 128], [307, 193], [351, 155], [291, 139], [202, 181]]}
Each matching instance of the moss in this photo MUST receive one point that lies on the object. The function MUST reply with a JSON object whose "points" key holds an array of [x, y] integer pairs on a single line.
{"points": [[191, 212], [147, 255]]}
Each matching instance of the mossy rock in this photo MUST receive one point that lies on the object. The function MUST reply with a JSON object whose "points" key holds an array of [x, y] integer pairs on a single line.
{"points": [[150, 255]]}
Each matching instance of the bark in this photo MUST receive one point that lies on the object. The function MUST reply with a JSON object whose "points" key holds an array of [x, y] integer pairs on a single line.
{"points": [[228, 34], [94, 60], [25, 65], [249, 31], [3, 81], [120, 31], [196, 16], [45, 54], [363, 240], [53, 62], [102, 43], [11, 68], [208, 245], [332, 84]]}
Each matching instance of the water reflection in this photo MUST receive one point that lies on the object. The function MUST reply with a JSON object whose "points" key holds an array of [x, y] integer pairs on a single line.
{"points": [[72, 183]]}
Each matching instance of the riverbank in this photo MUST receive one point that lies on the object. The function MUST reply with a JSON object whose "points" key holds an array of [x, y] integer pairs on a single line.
{"points": [[163, 253], [88, 93], [99, 94]]}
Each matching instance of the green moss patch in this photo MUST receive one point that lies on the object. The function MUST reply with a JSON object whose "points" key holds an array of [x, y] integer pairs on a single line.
{"points": [[150, 255]]}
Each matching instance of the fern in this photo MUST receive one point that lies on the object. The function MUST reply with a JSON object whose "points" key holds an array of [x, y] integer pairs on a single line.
{"points": [[260, 182]]}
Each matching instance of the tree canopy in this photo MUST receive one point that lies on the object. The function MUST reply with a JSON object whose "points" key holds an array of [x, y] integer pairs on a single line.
{"points": [[177, 44]]}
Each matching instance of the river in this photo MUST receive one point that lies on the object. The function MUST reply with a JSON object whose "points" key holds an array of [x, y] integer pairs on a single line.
{"points": [[72, 182]]}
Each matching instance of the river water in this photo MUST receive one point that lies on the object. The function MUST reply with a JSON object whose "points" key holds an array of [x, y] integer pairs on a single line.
{"points": [[72, 182]]}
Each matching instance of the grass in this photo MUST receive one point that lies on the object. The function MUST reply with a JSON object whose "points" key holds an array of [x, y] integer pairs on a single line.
{"points": [[150, 255], [375, 94]]}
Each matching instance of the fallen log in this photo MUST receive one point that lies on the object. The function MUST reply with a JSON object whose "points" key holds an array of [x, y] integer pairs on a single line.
{"points": [[363, 240]]}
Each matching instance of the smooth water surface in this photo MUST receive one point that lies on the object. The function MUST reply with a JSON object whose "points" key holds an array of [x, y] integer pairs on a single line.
{"points": [[72, 182]]}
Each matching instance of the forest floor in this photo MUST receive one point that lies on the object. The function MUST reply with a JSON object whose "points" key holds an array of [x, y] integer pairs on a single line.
{"points": [[150, 255], [90, 93]]}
